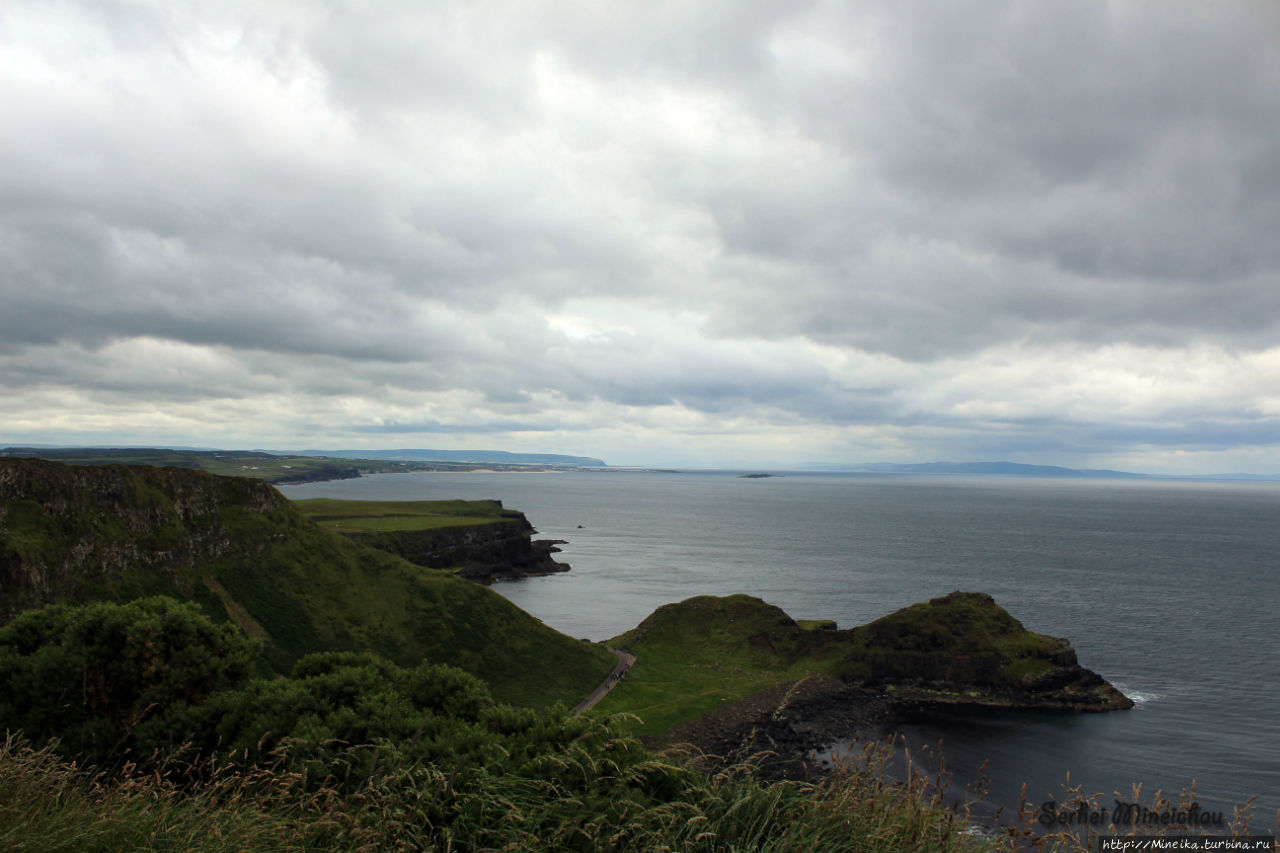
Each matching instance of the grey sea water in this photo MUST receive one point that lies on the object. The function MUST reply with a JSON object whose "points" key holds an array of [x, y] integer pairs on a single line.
{"points": [[1169, 589]]}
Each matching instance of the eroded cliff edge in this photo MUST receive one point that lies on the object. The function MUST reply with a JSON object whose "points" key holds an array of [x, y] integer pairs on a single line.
{"points": [[70, 532]]}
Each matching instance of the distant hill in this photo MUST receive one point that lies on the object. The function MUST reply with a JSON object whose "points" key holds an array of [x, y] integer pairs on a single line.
{"points": [[234, 463], [305, 467], [499, 456], [244, 553], [1014, 469]]}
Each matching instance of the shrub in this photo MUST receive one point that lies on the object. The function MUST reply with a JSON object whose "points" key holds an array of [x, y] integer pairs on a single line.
{"points": [[93, 676]]}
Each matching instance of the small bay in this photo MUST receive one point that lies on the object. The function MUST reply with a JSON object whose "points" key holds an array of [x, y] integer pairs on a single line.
{"points": [[1166, 588]]}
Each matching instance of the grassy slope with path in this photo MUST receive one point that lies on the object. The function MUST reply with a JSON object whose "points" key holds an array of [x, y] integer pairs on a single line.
{"points": [[698, 654]]}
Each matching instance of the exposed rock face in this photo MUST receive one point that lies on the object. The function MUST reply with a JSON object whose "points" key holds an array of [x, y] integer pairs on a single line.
{"points": [[64, 529], [963, 648], [483, 552], [786, 722]]}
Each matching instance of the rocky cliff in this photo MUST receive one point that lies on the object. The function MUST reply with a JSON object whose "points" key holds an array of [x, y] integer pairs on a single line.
{"points": [[478, 539], [963, 648], [67, 532], [485, 552]]}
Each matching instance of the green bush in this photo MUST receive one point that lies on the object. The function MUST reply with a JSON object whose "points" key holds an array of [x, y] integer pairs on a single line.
{"points": [[94, 676]]}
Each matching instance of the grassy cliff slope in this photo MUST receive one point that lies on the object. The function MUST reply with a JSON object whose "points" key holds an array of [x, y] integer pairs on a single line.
{"points": [[246, 554], [961, 648]]}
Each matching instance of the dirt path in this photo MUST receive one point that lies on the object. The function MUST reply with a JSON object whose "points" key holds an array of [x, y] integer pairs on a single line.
{"points": [[625, 659]]}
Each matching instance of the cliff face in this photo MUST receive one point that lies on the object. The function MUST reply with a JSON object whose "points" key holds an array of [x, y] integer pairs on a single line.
{"points": [[485, 552], [65, 530], [965, 648]]}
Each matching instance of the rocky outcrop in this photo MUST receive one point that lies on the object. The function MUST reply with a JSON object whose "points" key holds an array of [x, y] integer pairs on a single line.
{"points": [[963, 648], [959, 649], [65, 530], [502, 550], [780, 727]]}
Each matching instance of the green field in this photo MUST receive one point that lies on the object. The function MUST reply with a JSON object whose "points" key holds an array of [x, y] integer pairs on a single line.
{"points": [[345, 516], [698, 654]]}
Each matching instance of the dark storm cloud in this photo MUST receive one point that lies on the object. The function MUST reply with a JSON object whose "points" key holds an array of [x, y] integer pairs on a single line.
{"points": [[1040, 227], [1116, 162]]}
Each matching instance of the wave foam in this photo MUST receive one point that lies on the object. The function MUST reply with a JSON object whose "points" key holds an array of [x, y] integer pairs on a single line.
{"points": [[1139, 697]]}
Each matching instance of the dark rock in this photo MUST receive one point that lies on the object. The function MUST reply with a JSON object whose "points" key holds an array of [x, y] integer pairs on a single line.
{"points": [[481, 552], [65, 528]]}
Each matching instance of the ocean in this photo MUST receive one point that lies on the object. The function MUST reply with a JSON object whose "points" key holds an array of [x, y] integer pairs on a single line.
{"points": [[1168, 589]]}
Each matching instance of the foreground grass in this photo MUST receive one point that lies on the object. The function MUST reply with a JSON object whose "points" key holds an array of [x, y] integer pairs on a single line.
{"points": [[48, 805]]}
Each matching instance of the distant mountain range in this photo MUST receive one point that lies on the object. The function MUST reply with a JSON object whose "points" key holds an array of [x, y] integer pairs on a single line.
{"points": [[1018, 469]]}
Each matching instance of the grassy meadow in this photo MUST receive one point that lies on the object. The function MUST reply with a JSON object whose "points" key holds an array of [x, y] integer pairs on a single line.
{"points": [[354, 516]]}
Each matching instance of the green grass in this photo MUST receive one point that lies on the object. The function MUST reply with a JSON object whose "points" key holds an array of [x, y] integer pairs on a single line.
{"points": [[984, 644], [49, 806], [705, 651], [316, 590], [403, 515]]}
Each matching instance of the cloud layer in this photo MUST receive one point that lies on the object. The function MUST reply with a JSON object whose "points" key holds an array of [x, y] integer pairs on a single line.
{"points": [[713, 233]]}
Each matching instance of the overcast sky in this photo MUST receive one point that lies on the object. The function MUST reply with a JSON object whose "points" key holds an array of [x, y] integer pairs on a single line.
{"points": [[691, 233]]}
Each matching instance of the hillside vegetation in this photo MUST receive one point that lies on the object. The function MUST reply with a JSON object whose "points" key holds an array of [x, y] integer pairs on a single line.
{"points": [[961, 648], [247, 555]]}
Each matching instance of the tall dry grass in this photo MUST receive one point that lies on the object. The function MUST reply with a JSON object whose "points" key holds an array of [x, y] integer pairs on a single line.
{"points": [[580, 801], [50, 805]]}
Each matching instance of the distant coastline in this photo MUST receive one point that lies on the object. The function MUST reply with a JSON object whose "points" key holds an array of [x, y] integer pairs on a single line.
{"points": [[315, 466]]}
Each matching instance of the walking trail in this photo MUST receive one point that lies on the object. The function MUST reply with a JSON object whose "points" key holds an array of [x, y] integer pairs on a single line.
{"points": [[625, 659]]}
